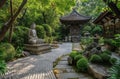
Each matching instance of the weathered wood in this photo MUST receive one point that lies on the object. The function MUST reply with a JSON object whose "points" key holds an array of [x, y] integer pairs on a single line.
{"points": [[113, 7]]}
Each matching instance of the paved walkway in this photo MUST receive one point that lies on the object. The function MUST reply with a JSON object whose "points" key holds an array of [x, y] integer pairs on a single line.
{"points": [[65, 71], [37, 66], [76, 46]]}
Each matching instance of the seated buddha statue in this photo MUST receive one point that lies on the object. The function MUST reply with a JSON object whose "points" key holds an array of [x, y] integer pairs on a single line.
{"points": [[33, 38]]}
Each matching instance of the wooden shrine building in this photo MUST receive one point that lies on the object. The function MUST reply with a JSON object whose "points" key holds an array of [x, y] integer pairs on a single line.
{"points": [[74, 22], [109, 22]]}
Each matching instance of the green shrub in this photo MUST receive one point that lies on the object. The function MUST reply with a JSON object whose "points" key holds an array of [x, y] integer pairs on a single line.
{"points": [[48, 29], [19, 51], [113, 61], [7, 51], [73, 54], [115, 71], [86, 40], [20, 36], [3, 67], [105, 57], [40, 31], [107, 52], [82, 64], [77, 57], [95, 58]]}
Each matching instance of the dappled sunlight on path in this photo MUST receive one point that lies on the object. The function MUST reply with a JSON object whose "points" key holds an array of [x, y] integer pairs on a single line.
{"points": [[37, 66]]}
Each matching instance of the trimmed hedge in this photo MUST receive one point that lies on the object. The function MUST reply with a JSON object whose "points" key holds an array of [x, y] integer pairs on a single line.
{"points": [[77, 57], [82, 64], [73, 54]]}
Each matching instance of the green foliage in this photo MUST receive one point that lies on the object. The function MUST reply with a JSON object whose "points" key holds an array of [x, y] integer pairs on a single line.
{"points": [[86, 29], [48, 29], [117, 40], [115, 71], [7, 51], [19, 51], [3, 67], [95, 59], [20, 36], [41, 33], [114, 42], [76, 58], [73, 54], [105, 57], [113, 61], [86, 7], [82, 64], [86, 40], [97, 30], [107, 52], [110, 42], [101, 40]]}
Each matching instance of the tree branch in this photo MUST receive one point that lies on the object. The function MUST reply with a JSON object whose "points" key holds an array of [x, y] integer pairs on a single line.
{"points": [[8, 24]]}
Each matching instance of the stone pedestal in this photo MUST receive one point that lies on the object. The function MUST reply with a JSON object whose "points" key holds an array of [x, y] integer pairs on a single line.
{"points": [[37, 48]]}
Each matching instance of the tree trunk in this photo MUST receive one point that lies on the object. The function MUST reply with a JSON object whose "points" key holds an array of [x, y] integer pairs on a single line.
{"points": [[11, 28], [2, 2], [8, 24]]}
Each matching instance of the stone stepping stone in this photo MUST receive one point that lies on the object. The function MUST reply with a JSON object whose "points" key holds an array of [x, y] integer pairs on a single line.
{"points": [[64, 58], [63, 63], [72, 76], [59, 71], [63, 67]]}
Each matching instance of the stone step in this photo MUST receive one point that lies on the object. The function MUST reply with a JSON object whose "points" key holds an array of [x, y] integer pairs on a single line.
{"points": [[98, 71], [73, 76], [38, 49], [36, 45]]}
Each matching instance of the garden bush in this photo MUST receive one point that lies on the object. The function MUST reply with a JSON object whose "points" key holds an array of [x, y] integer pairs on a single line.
{"points": [[3, 67], [40, 31], [20, 36], [86, 40], [7, 51], [113, 61], [48, 29], [82, 64], [77, 57], [107, 52], [73, 54], [115, 71], [105, 57], [95, 59]]}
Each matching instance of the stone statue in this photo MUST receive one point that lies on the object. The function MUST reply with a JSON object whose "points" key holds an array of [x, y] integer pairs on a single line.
{"points": [[33, 39]]}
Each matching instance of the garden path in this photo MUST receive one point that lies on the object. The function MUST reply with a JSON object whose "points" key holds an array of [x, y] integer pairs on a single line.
{"points": [[37, 66]]}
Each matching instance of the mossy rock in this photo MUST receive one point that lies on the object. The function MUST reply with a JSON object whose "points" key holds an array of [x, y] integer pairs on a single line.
{"points": [[7, 51]]}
